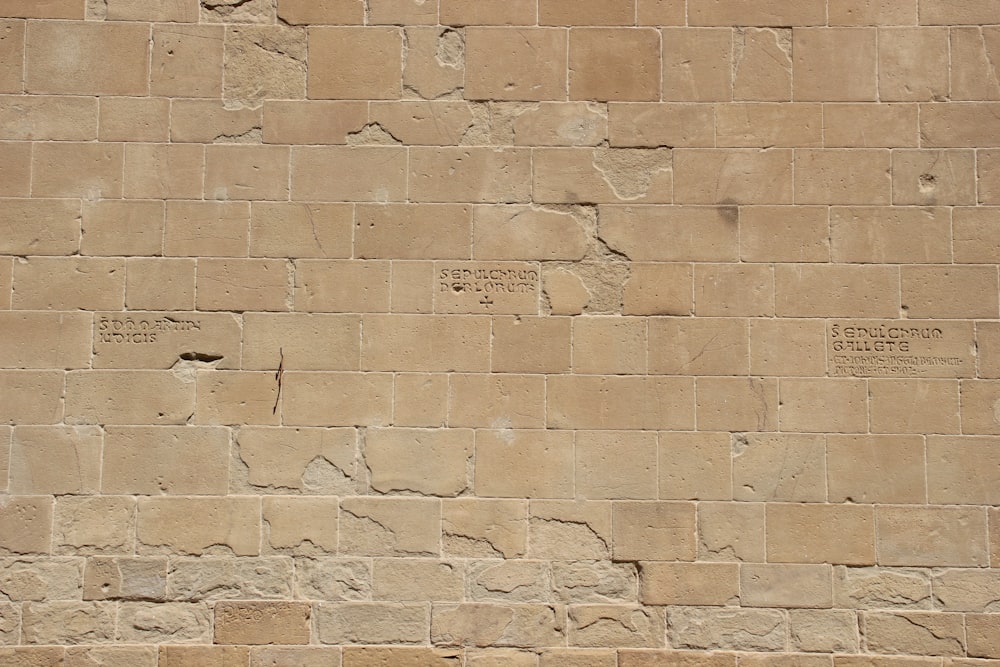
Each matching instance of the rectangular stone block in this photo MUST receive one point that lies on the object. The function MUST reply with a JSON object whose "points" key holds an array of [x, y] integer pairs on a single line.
{"points": [[837, 291], [92, 58], [349, 173], [395, 579], [164, 525], [932, 177], [175, 11], [913, 64], [836, 176], [652, 531], [113, 227], [732, 176], [246, 172], [769, 125], [411, 231], [215, 229], [915, 632], [737, 404], [70, 169], [703, 584], [12, 55], [602, 175], [543, 459], [68, 622], [959, 124], [786, 585], [45, 340], [953, 292], [649, 124], [881, 588], [875, 469], [914, 406], [170, 459], [470, 174], [870, 125], [778, 467], [243, 284], [890, 235], [304, 656], [644, 627], [616, 465], [26, 523], [697, 64], [786, 347], [236, 398], [310, 460], [686, 346], [428, 462], [166, 340], [487, 12], [163, 171], [498, 67], [726, 629], [960, 470], [813, 533], [617, 402], [355, 63], [932, 536], [209, 121], [15, 174], [262, 623], [160, 283], [85, 525], [824, 405], [939, 12], [71, 283], [600, 69], [298, 12], [480, 625], [486, 287], [435, 343], [134, 119], [482, 527], [570, 530], [390, 526], [207, 656], [128, 397], [337, 399], [113, 577], [31, 397], [671, 233], [34, 449]]}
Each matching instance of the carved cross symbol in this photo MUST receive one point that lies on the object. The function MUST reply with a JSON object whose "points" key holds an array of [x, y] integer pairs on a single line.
{"points": [[486, 301]]}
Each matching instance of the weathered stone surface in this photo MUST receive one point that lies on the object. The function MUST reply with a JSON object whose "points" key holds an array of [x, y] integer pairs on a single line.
{"points": [[171, 622], [498, 625], [124, 578], [207, 579], [68, 622], [262, 623], [372, 622], [726, 629], [41, 581]]}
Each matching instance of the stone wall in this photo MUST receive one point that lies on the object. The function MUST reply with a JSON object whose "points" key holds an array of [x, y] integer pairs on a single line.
{"points": [[480, 333]]}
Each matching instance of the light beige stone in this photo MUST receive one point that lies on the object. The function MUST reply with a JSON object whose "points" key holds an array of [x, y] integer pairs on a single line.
{"points": [[332, 579], [484, 528], [616, 465], [919, 633], [726, 629], [427, 462], [509, 581], [390, 526], [35, 448], [231, 524], [372, 622], [68, 622], [786, 585], [544, 460], [94, 525], [209, 579], [568, 530], [875, 468], [704, 584], [149, 623], [496, 625], [300, 525], [617, 626], [25, 521], [654, 531], [262, 623], [311, 460], [589, 583], [620, 402], [40, 580], [815, 533], [830, 631], [125, 578], [881, 588], [397, 579], [932, 536]]}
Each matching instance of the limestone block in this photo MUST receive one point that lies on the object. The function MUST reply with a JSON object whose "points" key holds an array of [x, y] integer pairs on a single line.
{"points": [[920, 633], [697, 64], [187, 60], [229, 525], [509, 581], [934, 177], [355, 63], [134, 119], [616, 465], [408, 580], [94, 524], [70, 283], [160, 283], [527, 625], [353, 399], [372, 622], [300, 525], [543, 461], [732, 176], [966, 590], [345, 286], [390, 526], [243, 284], [786, 585], [667, 234], [725, 290], [568, 530], [870, 125], [128, 397], [111, 656], [264, 62], [107, 58], [709, 628], [654, 531], [374, 656], [113, 577], [588, 582], [429, 343], [40, 580], [203, 656], [881, 588], [411, 231], [840, 176], [209, 579], [498, 67], [616, 626], [737, 404], [304, 656], [218, 229], [173, 460], [831, 631], [484, 528], [333, 579], [948, 291], [427, 462], [32, 397], [603, 176], [171, 622], [858, 469], [262, 623], [703, 584], [68, 622], [21, 234], [209, 121], [614, 64], [814, 533], [620, 402], [782, 467], [35, 448]]}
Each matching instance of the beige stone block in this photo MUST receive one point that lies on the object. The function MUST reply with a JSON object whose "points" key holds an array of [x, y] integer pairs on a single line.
{"points": [[302, 656], [436, 343], [786, 585], [175, 11], [502, 401], [875, 468], [45, 340], [960, 471], [128, 397], [6, 281], [982, 631], [650, 125], [31, 656], [939, 12], [694, 466], [561, 124], [403, 656], [601, 583], [48, 117], [509, 581], [787, 347], [69, 169], [68, 622], [163, 171], [915, 632], [498, 67], [342, 286], [262, 623], [357, 399], [933, 177], [651, 658], [15, 172], [697, 64], [574, 657], [6, 433], [733, 290], [872, 12], [762, 68], [988, 340], [420, 399], [94, 525], [210, 579], [427, 462], [411, 231], [209, 121], [355, 63], [122, 227], [236, 397], [703, 584], [298, 12], [349, 173], [481, 175], [435, 61], [914, 406], [531, 344], [881, 588], [979, 407], [818, 405], [974, 237], [484, 528], [134, 119], [411, 288], [111, 656], [603, 176], [246, 172], [397, 579], [390, 526], [671, 233], [312, 122], [34, 450], [230, 525], [166, 340], [616, 465], [824, 631], [301, 341], [570, 530], [215, 229], [543, 459], [730, 531], [300, 525], [971, 590], [523, 625], [243, 284], [621, 64], [279, 229], [31, 397], [737, 404], [890, 235], [589, 12], [779, 467], [12, 55], [654, 531], [784, 234], [814, 533], [834, 64], [523, 233], [113, 577], [203, 656], [661, 12], [870, 125], [187, 60], [149, 623], [403, 12], [767, 12], [38, 581], [949, 291], [834, 176], [692, 346], [837, 291], [26, 525], [92, 58], [732, 176], [932, 536], [616, 402], [994, 536], [765, 126], [913, 64], [333, 579], [959, 124], [988, 169], [972, 76], [609, 345], [85, 283], [172, 460], [617, 626], [264, 62], [487, 12], [425, 123], [565, 293], [658, 289], [726, 629]]}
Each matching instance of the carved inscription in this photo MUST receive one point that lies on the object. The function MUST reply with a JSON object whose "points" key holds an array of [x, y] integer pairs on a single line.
{"points": [[126, 328], [158, 340], [510, 288], [900, 348]]}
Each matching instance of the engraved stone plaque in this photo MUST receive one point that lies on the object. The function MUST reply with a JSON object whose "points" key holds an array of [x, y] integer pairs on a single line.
{"points": [[158, 340], [900, 348], [506, 288]]}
